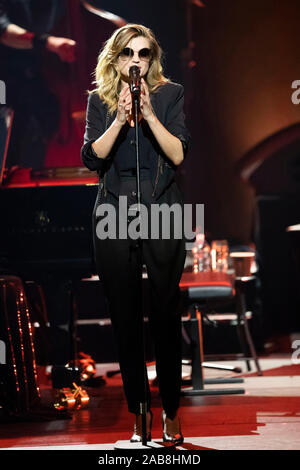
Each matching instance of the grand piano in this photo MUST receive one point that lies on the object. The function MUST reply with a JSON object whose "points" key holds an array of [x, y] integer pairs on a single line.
{"points": [[46, 224], [46, 214]]}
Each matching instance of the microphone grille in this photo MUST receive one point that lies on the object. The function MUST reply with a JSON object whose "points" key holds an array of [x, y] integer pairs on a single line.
{"points": [[134, 71]]}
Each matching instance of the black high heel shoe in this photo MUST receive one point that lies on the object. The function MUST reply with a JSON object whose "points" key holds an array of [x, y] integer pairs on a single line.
{"points": [[137, 430], [175, 439]]}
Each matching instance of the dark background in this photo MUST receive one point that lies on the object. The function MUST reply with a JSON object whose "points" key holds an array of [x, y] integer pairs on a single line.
{"points": [[244, 56], [237, 60]]}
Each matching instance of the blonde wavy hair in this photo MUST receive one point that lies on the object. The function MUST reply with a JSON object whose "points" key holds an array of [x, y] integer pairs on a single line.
{"points": [[107, 76]]}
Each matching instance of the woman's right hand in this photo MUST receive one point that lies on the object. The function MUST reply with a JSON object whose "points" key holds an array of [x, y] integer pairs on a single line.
{"points": [[124, 105]]}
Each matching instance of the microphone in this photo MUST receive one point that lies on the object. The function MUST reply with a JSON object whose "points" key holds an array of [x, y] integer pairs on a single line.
{"points": [[135, 81]]}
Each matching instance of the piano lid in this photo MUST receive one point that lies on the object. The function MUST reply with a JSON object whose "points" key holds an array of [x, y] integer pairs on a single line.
{"points": [[56, 176]]}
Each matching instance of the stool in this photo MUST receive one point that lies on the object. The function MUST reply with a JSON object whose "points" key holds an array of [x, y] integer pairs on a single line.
{"points": [[242, 321], [198, 290], [293, 232]]}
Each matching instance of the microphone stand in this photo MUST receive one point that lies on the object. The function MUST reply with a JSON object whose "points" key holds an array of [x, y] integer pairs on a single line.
{"points": [[143, 404]]}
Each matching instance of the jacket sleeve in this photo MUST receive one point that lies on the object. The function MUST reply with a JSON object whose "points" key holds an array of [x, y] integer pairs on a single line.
{"points": [[94, 128], [176, 119], [4, 20]]}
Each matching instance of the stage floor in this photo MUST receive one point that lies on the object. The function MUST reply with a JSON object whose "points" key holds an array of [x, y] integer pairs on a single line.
{"points": [[266, 417]]}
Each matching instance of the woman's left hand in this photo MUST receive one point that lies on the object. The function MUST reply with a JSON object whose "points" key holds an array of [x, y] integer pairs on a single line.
{"points": [[145, 103]]}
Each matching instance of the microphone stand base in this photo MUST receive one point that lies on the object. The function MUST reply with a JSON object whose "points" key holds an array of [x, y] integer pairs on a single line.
{"points": [[151, 446]]}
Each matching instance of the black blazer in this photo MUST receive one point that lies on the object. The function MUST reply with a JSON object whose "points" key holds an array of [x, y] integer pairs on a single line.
{"points": [[167, 103]]}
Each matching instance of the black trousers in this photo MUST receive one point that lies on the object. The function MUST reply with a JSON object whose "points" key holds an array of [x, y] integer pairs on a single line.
{"points": [[119, 267]]}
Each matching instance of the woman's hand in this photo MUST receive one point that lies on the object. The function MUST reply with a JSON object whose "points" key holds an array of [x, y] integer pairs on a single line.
{"points": [[145, 103], [124, 105]]}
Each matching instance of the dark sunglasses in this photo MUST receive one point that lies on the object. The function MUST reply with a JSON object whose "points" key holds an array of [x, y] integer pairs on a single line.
{"points": [[127, 52]]}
